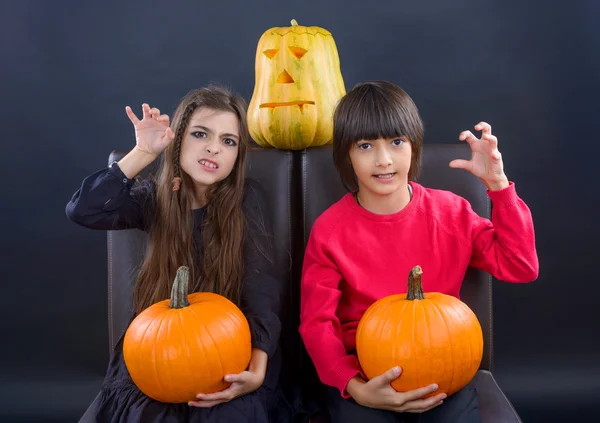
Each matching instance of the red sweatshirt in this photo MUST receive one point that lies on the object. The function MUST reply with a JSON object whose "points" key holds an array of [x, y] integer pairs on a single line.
{"points": [[355, 257]]}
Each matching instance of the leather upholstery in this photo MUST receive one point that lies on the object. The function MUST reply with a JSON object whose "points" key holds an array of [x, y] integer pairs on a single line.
{"points": [[299, 186]]}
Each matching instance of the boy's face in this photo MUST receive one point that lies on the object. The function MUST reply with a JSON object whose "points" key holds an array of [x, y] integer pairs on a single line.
{"points": [[381, 166]]}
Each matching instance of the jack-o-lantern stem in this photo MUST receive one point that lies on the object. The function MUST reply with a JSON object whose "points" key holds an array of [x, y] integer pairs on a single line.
{"points": [[294, 23], [179, 291], [415, 287]]}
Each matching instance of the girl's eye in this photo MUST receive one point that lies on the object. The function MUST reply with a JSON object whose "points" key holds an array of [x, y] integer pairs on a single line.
{"points": [[230, 142], [199, 134], [398, 141], [364, 146]]}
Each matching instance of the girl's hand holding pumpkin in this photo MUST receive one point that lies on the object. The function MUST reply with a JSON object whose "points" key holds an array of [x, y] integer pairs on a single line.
{"points": [[486, 160], [241, 384], [378, 393], [152, 133]]}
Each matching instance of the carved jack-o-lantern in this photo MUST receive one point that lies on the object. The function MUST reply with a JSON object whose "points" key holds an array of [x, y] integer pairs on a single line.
{"points": [[297, 86]]}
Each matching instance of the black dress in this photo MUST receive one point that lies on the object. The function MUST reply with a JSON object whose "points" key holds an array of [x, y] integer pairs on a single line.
{"points": [[108, 200]]}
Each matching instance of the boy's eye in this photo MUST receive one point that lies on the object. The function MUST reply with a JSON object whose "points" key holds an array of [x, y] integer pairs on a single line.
{"points": [[398, 141], [199, 134], [230, 142]]}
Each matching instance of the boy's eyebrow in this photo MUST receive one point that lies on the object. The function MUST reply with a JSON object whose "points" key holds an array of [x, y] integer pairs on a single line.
{"points": [[210, 131]]}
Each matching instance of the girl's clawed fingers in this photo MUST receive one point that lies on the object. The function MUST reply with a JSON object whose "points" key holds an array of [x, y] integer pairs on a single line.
{"points": [[146, 111], [132, 117]]}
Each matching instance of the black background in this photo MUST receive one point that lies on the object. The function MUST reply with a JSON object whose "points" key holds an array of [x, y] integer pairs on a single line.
{"points": [[69, 68]]}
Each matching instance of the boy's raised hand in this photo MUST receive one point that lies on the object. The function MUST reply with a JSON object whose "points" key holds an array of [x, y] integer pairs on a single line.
{"points": [[152, 133], [486, 160]]}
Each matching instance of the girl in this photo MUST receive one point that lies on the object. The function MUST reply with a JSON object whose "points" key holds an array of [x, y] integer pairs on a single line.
{"points": [[200, 211], [359, 248]]}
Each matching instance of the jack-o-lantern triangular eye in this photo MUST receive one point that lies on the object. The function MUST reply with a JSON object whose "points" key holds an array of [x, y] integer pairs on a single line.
{"points": [[271, 52], [298, 52]]}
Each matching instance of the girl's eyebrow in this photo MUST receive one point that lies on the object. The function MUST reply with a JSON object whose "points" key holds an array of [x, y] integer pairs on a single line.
{"points": [[210, 131]]}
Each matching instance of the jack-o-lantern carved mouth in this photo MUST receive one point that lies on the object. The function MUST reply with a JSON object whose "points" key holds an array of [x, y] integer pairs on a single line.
{"points": [[272, 106]]}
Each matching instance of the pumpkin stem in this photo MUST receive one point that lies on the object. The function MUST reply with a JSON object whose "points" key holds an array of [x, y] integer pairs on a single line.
{"points": [[294, 23], [179, 291], [415, 287]]}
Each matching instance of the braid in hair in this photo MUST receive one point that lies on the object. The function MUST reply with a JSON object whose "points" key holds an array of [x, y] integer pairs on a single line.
{"points": [[178, 138]]}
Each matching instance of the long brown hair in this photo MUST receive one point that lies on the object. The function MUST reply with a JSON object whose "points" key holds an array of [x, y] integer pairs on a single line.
{"points": [[372, 110], [217, 264]]}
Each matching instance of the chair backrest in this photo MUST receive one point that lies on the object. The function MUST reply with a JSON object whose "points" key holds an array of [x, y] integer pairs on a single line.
{"points": [[275, 171], [321, 187]]}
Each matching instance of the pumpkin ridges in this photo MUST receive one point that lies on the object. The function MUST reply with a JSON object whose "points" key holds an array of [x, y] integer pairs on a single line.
{"points": [[476, 334], [462, 312], [185, 342], [207, 332], [458, 316], [450, 386], [333, 91], [440, 328], [429, 344], [321, 136], [299, 127], [227, 352], [164, 331], [157, 381]]}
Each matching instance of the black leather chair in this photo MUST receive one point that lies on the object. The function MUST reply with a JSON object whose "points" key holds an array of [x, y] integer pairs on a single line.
{"points": [[275, 171], [321, 187], [299, 186]]}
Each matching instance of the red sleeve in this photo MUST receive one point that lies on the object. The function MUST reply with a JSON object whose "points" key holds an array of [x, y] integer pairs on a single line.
{"points": [[320, 328], [505, 246]]}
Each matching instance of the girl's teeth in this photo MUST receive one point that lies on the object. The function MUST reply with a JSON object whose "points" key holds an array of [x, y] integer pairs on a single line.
{"points": [[389, 175], [208, 164]]}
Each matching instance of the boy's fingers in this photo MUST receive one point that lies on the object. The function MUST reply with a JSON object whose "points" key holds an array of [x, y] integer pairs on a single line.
{"points": [[491, 139], [421, 410], [460, 164], [388, 376], [424, 404], [484, 127], [468, 137], [419, 393]]}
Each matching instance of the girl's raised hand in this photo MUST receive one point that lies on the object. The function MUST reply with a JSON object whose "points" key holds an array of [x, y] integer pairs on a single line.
{"points": [[152, 133]]}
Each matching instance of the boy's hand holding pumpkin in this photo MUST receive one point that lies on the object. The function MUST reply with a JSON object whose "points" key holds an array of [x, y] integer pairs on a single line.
{"points": [[378, 393], [486, 160]]}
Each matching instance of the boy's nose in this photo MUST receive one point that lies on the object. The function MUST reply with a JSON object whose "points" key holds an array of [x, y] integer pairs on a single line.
{"points": [[384, 158]]}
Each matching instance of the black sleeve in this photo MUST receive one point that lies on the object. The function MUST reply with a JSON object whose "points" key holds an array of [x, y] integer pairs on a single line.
{"points": [[109, 200], [261, 299]]}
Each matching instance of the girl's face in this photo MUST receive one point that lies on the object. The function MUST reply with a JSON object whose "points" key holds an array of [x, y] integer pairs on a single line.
{"points": [[381, 166], [210, 146]]}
